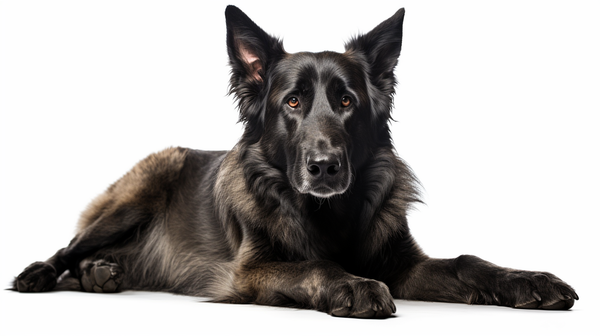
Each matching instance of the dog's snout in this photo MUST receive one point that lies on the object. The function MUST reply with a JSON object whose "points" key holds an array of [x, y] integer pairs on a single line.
{"points": [[323, 167], [325, 173]]}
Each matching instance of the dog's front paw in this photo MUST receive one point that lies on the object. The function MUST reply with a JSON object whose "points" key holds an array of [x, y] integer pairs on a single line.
{"points": [[536, 290], [37, 277], [362, 298]]}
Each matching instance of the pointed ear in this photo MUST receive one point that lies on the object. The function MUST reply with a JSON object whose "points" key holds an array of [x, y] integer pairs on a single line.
{"points": [[381, 48], [251, 53], [250, 49], [381, 45]]}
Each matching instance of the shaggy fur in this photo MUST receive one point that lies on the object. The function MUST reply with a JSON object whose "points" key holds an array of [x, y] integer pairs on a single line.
{"points": [[307, 210]]}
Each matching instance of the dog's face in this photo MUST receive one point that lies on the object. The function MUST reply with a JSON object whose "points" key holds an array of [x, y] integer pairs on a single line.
{"points": [[316, 116], [311, 114]]}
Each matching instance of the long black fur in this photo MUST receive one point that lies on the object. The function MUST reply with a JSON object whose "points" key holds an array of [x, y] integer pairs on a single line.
{"points": [[307, 210]]}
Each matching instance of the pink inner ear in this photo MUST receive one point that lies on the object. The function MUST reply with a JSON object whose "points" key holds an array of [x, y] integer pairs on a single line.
{"points": [[247, 55], [252, 62]]}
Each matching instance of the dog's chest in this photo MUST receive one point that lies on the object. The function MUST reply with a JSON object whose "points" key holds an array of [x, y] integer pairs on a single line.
{"points": [[336, 236]]}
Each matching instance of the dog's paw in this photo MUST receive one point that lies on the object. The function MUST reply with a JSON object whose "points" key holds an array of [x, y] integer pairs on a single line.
{"points": [[361, 298], [536, 290], [37, 277], [102, 277]]}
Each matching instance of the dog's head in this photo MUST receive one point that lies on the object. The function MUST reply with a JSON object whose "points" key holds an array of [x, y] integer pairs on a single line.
{"points": [[316, 116]]}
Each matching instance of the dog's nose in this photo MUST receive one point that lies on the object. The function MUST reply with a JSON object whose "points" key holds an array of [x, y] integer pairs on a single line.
{"points": [[323, 166]]}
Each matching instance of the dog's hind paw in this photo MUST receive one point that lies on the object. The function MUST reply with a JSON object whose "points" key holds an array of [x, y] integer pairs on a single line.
{"points": [[102, 277], [37, 277]]}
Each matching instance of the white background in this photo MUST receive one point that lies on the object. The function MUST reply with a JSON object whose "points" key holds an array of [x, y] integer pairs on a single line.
{"points": [[497, 112]]}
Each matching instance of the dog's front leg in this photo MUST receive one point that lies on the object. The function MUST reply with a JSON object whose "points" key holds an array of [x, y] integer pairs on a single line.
{"points": [[470, 279], [320, 285]]}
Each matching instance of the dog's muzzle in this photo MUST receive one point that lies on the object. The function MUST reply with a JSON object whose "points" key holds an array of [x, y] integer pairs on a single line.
{"points": [[325, 174]]}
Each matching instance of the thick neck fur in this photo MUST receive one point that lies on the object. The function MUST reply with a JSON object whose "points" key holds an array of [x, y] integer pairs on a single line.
{"points": [[349, 225]]}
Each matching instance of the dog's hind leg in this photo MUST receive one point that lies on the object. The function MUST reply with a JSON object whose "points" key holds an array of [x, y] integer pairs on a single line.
{"points": [[107, 230], [98, 276], [133, 201]]}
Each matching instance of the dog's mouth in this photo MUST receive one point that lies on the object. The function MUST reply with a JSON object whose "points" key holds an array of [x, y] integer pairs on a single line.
{"points": [[322, 192]]}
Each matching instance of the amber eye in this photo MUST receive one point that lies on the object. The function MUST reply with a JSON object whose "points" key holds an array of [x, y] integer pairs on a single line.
{"points": [[293, 102], [346, 101]]}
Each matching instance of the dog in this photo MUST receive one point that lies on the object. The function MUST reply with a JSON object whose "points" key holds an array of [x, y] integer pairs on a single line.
{"points": [[308, 210]]}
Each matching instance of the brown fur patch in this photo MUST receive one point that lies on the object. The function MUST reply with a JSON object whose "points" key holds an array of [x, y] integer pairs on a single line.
{"points": [[146, 180]]}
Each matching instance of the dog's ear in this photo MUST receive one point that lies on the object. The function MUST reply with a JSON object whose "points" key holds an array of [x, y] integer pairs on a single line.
{"points": [[381, 49], [251, 52], [249, 47]]}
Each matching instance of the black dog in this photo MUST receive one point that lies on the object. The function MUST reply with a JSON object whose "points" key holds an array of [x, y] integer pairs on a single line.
{"points": [[308, 210]]}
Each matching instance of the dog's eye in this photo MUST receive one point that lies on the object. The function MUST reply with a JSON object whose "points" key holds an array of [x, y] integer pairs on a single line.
{"points": [[293, 102], [346, 101]]}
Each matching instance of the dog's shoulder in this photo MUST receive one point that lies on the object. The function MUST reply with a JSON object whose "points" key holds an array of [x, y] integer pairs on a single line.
{"points": [[231, 188]]}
